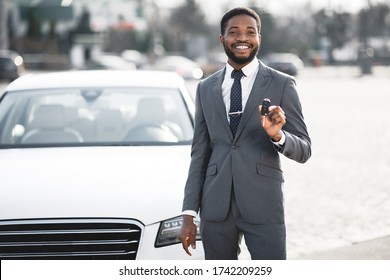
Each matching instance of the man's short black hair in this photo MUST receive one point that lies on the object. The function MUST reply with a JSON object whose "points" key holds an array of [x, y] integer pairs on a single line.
{"points": [[239, 11]]}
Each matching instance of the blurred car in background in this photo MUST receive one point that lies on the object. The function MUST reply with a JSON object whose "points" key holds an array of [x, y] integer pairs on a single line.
{"points": [[135, 57], [11, 65], [183, 66], [109, 62], [93, 165], [288, 63], [213, 62]]}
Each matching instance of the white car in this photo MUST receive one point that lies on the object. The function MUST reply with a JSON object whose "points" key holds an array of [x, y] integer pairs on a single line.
{"points": [[183, 66], [93, 165], [288, 63]]}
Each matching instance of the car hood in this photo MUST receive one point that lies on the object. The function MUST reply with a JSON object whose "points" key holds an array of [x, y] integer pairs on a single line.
{"points": [[139, 182]]}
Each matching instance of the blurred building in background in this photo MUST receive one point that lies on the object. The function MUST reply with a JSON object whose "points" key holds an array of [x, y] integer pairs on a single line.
{"points": [[65, 33]]}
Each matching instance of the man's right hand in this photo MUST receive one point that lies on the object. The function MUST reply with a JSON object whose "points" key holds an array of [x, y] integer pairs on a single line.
{"points": [[187, 234]]}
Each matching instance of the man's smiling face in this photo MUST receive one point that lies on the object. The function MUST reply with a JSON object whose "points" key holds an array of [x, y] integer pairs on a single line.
{"points": [[241, 40]]}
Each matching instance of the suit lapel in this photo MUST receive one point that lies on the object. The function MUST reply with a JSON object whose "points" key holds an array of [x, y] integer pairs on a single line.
{"points": [[218, 100], [258, 90]]}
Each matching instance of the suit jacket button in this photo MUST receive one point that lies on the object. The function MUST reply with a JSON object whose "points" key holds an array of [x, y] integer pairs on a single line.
{"points": [[235, 146]]}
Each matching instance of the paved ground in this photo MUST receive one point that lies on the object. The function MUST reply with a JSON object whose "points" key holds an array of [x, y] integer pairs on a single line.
{"points": [[341, 196], [376, 249]]}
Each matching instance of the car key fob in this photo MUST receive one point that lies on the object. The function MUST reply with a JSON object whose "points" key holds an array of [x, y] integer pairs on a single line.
{"points": [[265, 106]]}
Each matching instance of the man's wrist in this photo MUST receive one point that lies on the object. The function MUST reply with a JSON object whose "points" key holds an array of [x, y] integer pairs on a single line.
{"points": [[280, 139], [277, 137], [188, 218]]}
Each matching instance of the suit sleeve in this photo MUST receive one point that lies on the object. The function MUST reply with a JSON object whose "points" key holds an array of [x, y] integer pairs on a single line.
{"points": [[298, 143], [200, 155]]}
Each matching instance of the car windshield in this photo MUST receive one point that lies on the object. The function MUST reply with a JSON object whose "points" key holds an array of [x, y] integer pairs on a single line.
{"points": [[94, 116]]}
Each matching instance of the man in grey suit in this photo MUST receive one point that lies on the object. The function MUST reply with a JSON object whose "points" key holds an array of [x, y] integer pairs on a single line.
{"points": [[235, 178]]}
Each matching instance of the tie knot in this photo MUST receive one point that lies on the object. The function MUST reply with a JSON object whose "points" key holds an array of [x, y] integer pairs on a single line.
{"points": [[237, 74]]}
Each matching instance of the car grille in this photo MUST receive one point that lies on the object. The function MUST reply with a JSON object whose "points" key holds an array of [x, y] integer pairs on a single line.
{"points": [[64, 239]]}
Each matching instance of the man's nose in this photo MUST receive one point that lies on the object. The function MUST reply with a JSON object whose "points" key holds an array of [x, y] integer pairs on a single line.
{"points": [[242, 36]]}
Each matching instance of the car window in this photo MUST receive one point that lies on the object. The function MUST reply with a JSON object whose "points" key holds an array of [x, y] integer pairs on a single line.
{"points": [[118, 116]]}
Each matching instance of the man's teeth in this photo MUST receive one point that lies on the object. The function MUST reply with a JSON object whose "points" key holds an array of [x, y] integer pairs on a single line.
{"points": [[242, 47]]}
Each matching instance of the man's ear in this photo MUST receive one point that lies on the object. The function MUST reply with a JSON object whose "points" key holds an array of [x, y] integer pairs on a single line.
{"points": [[221, 39]]}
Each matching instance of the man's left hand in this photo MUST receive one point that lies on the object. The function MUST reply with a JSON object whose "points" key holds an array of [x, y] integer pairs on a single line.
{"points": [[273, 122]]}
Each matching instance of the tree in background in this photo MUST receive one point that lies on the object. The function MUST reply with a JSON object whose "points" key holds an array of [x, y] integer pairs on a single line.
{"points": [[374, 21], [292, 33], [185, 24], [334, 26]]}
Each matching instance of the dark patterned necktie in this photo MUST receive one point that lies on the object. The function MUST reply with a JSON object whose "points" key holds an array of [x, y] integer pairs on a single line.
{"points": [[235, 101]]}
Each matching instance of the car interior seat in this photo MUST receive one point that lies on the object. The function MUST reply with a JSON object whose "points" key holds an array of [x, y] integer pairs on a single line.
{"points": [[110, 125], [48, 125], [151, 122]]}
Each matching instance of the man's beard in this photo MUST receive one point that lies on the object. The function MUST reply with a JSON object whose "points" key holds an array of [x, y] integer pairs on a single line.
{"points": [[239, 60]]}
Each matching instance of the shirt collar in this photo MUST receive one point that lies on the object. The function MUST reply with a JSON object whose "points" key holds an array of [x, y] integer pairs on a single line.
{"points": [[248, 69]]}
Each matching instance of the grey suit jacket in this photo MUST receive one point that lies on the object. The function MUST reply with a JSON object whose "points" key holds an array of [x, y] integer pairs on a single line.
{"points": [[250, 161]]}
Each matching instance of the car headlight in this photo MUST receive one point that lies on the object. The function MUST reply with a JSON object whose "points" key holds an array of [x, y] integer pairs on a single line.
{"points": [[169, 230]]}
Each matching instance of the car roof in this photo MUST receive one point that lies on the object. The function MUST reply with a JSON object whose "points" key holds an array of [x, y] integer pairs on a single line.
{"points": [[97, 78]]}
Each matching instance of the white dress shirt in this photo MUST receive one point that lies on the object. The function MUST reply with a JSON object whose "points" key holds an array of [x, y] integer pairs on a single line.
{"points": [[247, 81]]}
